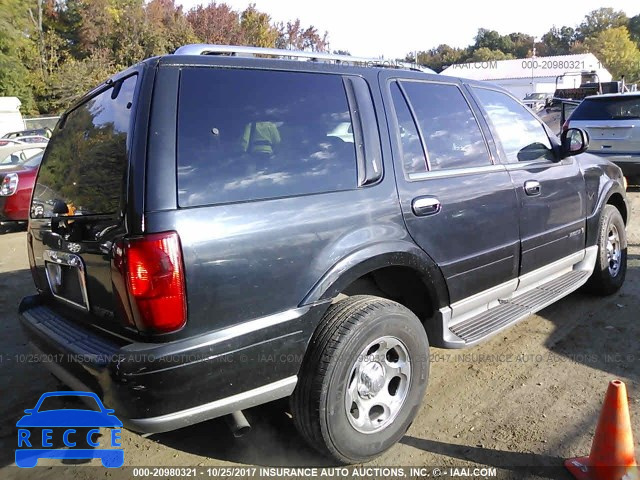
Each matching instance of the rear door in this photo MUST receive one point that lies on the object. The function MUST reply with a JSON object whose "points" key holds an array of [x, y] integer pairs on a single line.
{"points": [[613, 124], [458, 205], [551, 193], [84, 171]]}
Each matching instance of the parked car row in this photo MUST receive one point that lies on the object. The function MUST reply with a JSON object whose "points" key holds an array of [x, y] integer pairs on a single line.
{"points": [[36, 135], [18, 167]]}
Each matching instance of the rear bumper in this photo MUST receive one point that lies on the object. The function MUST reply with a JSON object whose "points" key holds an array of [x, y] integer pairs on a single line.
{"points": [[629, 163], [160, 387]]}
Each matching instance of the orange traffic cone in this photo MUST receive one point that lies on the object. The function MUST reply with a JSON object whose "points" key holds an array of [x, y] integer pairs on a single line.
{"points": [[611, 456]]}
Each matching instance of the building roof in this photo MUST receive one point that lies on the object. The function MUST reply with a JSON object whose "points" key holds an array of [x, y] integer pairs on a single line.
{"points": [[537, 67]]}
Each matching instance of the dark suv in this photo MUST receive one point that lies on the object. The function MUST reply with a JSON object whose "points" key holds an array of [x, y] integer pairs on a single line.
{"points": [[210, 232]]}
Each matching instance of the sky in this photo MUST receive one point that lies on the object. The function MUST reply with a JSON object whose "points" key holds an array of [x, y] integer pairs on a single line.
{"points": [[394, 28]]}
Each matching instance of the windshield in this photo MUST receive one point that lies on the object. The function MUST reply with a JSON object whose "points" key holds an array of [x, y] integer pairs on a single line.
{"points": [[608, 108], [20, 157], [534, 96]]}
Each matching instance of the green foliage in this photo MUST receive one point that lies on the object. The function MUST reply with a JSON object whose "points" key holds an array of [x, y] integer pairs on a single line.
{"points": [[612, 37], [619, 54], [557, 41], [484, 54], [634, 29], [600, 20], [257, 28], [54, 51]]}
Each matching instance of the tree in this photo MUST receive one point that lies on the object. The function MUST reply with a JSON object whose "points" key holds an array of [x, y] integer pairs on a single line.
{"points": [[293, 36], [169, 28], [485, 54], [439, 58], [557, 41], [634, 29], [493, 41], [257, 29], [617, 52], [216, 23], [522, 44], [15, 49], [600, 20]]}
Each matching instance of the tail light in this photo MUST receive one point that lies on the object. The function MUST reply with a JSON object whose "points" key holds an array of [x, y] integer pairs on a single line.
{"points": [[565, 126], [9, 184], [153, 275]]}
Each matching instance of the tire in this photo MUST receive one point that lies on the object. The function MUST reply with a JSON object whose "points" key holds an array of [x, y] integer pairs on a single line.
{"points": [[607, 278], [341, 367]]}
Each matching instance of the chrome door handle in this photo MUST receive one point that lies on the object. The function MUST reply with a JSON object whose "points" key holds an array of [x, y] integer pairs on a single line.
{"points": [[532, 188], [425, 206]]}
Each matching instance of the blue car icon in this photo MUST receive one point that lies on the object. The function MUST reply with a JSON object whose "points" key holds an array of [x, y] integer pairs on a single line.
{"points": [[31, 447]]}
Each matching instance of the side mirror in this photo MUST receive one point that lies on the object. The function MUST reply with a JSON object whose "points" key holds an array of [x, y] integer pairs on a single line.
{"points": [[574, 141], [29, 411]]}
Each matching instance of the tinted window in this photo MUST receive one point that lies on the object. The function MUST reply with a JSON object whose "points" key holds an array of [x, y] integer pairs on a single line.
{"points": [[608, 109], [252, 134], [519, 132], [86, 160], [413, 158], [451, 132]]}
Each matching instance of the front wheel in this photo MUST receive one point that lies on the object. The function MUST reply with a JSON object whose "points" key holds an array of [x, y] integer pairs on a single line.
{"points": [[611, 265], [362, 380]]}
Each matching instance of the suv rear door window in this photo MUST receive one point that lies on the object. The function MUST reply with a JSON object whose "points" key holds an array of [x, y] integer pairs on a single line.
{"points": [[413, 157], [450, 130], [85, 162], [257, 134], [608, 109], [520, 133]]}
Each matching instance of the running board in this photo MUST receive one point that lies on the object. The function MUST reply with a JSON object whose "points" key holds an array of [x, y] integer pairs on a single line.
{"points": [[507, 312]]}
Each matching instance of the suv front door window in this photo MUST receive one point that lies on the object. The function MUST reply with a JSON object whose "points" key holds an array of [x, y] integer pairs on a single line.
{"points": [[520, 134], [471, 231], [551, 192]]}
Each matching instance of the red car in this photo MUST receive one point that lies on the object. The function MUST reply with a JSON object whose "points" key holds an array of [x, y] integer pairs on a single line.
{"points": [[16, 184]]}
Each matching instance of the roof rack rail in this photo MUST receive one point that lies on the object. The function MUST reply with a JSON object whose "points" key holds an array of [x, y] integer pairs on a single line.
{"points": [[235, 50]]}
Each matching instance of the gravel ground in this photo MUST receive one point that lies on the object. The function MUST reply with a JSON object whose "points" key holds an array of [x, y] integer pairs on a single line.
{"points": [[529, 397]]}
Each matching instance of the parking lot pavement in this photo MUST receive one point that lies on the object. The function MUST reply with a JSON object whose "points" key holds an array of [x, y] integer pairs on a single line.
{"points": [[528, 397]]}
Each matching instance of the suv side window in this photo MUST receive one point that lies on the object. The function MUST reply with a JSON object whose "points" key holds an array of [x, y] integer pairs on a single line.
{"points": [[520, 134], [258, 134], [413, 157], [450, 130]]}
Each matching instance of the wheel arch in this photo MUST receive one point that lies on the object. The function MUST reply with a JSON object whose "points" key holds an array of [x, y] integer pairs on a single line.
{"points": [[612, 193], [389, 262]]}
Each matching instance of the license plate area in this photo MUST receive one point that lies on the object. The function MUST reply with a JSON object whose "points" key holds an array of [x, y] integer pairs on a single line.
{"points": [[66, 277]]}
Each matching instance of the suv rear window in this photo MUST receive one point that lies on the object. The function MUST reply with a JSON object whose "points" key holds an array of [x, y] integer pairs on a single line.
{"points": [[607, 108], [257, 134], [85, 162]]}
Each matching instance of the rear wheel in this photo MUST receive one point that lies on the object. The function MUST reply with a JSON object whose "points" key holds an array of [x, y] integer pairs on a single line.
{"points": [[362, 379], [611, 265]]}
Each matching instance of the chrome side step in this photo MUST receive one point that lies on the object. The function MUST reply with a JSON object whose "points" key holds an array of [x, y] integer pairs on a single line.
{"points": [[509, 311]]}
